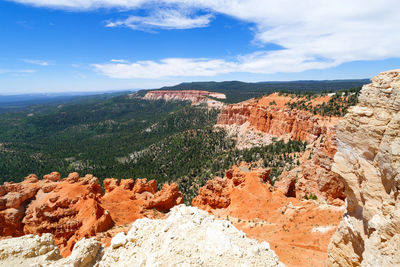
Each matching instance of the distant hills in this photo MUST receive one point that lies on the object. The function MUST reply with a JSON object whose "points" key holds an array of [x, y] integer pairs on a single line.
{"points": [[10, 103], [237, 91]]}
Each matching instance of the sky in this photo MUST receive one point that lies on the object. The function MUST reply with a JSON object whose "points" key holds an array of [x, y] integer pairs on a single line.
{"points": [[98, 45]]}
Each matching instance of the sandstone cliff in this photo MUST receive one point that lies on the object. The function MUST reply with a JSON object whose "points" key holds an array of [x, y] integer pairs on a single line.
{"points": [[274, 120], [368, 160], [74, 207], [298, 230], [195, 96]]}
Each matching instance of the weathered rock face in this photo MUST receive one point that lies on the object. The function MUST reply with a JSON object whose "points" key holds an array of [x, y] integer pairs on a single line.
{"points": [[129, 200], [275, 120], [69, 209], [298, 230], [314, 176], [13, 201], [195, 96], [368, 160], [74, 207]]}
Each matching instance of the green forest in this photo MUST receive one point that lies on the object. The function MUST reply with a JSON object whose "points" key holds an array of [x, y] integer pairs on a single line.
{"points": [[124, 136]]}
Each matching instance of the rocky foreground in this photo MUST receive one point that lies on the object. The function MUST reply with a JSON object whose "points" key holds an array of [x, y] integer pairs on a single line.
{"points": [[187, 237], [74, 207]]}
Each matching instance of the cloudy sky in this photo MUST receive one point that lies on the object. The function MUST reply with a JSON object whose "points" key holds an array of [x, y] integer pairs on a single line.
{"points": [[94, 45]]}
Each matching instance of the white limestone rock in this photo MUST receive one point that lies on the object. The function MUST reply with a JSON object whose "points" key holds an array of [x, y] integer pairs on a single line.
{"points": [[188, 237], [33, 250], [368, 160]]}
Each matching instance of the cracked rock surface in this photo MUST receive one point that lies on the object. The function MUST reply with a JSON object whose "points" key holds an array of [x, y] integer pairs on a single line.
{"points": [[368, 160]]}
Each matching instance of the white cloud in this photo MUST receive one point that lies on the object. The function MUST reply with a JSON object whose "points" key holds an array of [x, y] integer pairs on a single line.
{"points": [[260, 62], [16, 71], [36, 62], [164, 19], [118, 61], [314, 34], [84, 4], [170, 67]]}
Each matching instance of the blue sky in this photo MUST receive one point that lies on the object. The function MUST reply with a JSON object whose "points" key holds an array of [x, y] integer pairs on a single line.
{"points": [[88, 45]]}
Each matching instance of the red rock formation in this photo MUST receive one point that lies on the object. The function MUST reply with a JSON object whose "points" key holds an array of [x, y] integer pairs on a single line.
{"points": [[298, 230], [166, 198], [195, 96], [69, 209], [276, 120], [127, 201], [314, 175], [13, 201], [74, 207]]}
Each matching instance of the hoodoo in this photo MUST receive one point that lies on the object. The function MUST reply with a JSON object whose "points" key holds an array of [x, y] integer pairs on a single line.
{"points": [[74, 207], [368, 160]]}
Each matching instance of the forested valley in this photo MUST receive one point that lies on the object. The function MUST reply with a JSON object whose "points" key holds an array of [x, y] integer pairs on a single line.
{"points": [[125, 136]]}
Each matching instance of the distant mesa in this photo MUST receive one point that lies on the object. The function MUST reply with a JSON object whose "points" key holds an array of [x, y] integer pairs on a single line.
{"points": [[197, 97]]}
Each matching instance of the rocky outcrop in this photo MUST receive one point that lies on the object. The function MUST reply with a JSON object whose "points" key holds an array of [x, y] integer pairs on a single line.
{"points": [[74, 207], [69, 209], [33, 250], [216, 193], [188, 237], [129, 200], [13, 201], [298, 230], [368, 160], [195, 96], [314, 176]]}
